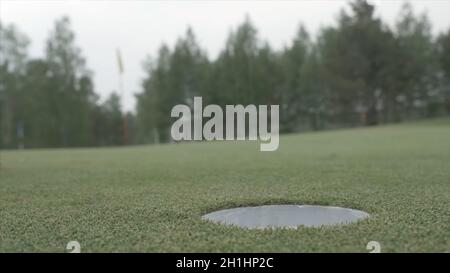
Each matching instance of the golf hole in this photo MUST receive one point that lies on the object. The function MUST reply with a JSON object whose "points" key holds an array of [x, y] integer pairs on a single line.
{"points": [[285, 216]]}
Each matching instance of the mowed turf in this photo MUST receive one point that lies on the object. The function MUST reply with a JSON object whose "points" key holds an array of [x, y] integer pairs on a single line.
{"points": [[151, 198]]}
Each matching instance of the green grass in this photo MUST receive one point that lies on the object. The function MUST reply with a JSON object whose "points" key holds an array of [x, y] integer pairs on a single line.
{"points": [[151, 198]]}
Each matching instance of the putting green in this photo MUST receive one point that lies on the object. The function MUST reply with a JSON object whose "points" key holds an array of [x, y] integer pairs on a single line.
{"points": [[151, 198]]}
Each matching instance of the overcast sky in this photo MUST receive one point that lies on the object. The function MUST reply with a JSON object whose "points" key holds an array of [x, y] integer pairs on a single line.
{"points": [[139, 27]]}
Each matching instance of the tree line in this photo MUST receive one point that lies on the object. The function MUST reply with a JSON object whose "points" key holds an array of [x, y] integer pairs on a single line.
{"points": [[358, 72], [51, 101]]}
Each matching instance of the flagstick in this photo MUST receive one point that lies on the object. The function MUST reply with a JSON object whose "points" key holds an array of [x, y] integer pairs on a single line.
{"points": [[122, 93], [125, 121]]}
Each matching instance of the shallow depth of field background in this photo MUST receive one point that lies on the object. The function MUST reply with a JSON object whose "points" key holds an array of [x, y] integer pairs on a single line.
{"points": [[364, 120]]}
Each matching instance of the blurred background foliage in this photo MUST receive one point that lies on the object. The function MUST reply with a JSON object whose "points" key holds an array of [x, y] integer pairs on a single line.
{"points": [[359, 72]]}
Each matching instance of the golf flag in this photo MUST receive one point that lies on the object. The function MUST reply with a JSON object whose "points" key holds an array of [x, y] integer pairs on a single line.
{"points": [[119, 61]]}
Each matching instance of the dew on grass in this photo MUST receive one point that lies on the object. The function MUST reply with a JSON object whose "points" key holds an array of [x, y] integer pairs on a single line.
{"points": [[285, 216]]}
